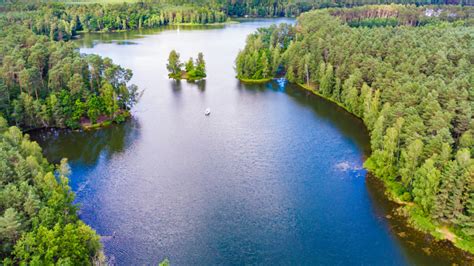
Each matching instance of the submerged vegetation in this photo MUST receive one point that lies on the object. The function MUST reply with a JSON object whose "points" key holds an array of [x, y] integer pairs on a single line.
{"points": [[193, 70], [411, 84]]}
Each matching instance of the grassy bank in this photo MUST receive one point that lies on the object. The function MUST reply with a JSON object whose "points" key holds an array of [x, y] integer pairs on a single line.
{"points": [[105, 121], [255, 80]]}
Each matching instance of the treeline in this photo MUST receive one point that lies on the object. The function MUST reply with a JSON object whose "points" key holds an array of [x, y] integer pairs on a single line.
{"points": [[163, 12], [38, 221], [398, 15], [413, 88], [49, 84], [289, 8], [61, 22]]}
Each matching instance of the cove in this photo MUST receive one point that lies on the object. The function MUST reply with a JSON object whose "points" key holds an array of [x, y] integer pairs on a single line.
{"points": [[273, 176]]}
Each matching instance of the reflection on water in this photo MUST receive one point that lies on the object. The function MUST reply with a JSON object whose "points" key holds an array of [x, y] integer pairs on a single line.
{"points": [[324, 109], [176, 86], [86, 146], [273, 176], [125, 37], [421, 248]]}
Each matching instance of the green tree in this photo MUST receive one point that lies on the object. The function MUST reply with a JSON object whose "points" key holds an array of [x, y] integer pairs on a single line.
{"points": [[425, 185], [174, 65]]}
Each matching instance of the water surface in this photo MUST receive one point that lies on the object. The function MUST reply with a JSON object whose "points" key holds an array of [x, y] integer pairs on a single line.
{"points": [[272, 176]]}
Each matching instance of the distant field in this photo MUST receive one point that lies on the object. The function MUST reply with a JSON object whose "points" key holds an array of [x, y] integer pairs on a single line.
{"points": [[95, 1], [78, 1]]}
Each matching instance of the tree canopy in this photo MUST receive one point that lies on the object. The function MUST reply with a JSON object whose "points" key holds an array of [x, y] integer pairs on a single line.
{"points": [[38, 221], [193, 70], [45, 83], [410, 80]]}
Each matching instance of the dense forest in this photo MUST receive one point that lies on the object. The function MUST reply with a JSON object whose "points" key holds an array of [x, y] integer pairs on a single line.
{"points": [[49, 84], [61, 22], [409, 80], [411, 84], [39, 224], [291, 8]]}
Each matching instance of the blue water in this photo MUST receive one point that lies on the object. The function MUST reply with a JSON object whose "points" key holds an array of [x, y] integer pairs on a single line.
{"points": [[272, 176]]}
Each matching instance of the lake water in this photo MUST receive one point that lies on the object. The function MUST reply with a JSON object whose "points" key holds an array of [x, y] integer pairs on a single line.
{"points": [[273, 176]]}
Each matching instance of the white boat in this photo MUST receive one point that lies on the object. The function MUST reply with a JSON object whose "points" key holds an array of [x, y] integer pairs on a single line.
{"points": [[207, 112]]}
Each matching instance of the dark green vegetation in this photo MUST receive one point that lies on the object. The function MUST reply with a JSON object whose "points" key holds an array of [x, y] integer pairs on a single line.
{"points": [[49, 84], [291, 8], [422, 134], [193, 70], [44, 83], [61, 22], [412, 86], [213, 10], [39, 224]]}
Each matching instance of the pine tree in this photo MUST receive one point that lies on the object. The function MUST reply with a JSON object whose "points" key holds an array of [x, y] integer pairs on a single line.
{"points": [[174, 65], [265, 66], [327, 80], [409, 162], [425, 186], [444, 199], [200, 66], [377, 133], [276, 60], [365, 101], [189, 66]]}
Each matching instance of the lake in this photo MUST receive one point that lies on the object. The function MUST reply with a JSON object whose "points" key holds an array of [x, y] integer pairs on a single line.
{"points": [[273, 176]]}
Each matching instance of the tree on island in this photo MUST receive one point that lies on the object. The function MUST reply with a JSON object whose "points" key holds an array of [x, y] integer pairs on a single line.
{"points": [[200, 68], [193, 70], [174, 65]]}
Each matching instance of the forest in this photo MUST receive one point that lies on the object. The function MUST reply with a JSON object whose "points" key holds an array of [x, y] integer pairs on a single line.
{"points": [[39, 224], [407, 74], [49, 84], [62, 22], [409, 80]]}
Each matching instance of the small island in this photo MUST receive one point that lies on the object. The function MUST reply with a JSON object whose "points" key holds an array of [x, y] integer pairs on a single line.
{"points": [[194, 70]]}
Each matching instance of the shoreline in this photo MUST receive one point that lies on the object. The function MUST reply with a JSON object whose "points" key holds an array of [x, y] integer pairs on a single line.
{"points": [[83, 126], [187, 24], [440, 233], [250, 81]]}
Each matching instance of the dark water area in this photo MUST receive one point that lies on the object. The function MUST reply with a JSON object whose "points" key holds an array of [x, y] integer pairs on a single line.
{"points": [[273, 176]]}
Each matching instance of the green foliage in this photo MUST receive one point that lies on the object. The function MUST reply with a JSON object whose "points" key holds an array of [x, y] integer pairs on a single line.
{"points": [[174, 65], [425, 185], [49, 84], [419, 220], [166, 262], [38, 221], [261, 57], [193, 70], [412, 86], [62, 22]]}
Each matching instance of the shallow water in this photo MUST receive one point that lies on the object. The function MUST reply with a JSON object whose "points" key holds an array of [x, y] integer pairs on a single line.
{"points": [[273, 176]]}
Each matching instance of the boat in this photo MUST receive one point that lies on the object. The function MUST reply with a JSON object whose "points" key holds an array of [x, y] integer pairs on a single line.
{"points": [[207, 112]]}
